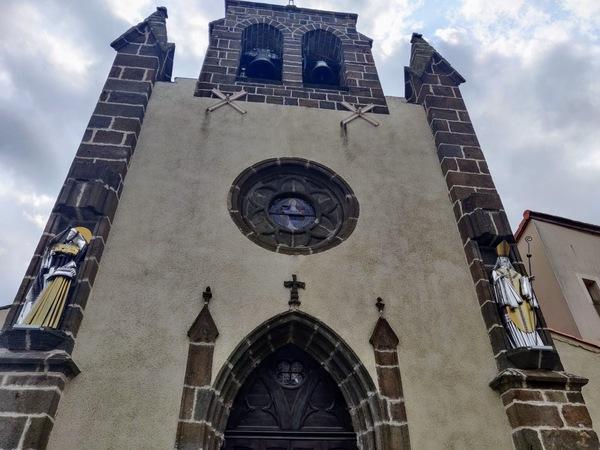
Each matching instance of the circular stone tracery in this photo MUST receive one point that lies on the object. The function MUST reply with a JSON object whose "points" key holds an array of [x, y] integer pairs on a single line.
{"points": [[293, 206]]}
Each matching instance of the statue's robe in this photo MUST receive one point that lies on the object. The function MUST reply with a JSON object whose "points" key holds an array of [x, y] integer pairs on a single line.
{"points": [[517, 302], [45, 302]]}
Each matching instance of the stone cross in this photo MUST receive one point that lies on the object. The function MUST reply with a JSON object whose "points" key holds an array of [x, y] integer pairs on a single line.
{"points": [[227, 99], [358, 112], [207, 295], [294, 284]]}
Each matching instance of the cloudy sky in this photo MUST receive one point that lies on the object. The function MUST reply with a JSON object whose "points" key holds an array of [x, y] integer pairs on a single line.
{"points": [[533, 90]]}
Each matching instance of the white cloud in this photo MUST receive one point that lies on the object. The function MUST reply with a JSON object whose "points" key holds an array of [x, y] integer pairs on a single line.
{"points": [[131, 11], [25, 213], [7, 87], [509, 27], [521, 28], [391, 23], [590, 162], [587, 11], [38, 220], [35, 37], [65, 54], [490, 12], [452, 35], [534, 99], [188, 28], [34, 206]]}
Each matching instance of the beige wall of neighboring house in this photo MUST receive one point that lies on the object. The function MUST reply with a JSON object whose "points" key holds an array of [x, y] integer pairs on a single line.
{"points": [[565, 253], [582, 359], [547, 288]]}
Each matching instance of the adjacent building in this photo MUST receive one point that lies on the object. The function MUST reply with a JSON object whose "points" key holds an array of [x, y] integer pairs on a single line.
{"points": [[565, 260], [564, 257]]}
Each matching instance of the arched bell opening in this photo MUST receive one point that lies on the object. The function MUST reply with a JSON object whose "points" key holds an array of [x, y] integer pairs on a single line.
{"points": [[262, 53], [290, 401], [293, 329], [321, 58]]}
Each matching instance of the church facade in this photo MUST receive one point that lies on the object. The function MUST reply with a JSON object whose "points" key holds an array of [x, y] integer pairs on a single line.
{"points": [[278, 256]]}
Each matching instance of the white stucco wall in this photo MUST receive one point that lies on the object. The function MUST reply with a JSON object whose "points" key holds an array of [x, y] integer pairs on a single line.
{"points": [[172, 236]]}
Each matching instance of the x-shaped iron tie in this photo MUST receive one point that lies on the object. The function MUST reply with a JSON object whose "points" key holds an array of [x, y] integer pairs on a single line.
{"points": [[358, 112], [227, 99]]}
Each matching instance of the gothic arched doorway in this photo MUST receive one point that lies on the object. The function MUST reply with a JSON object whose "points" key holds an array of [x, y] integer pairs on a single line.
{"points": [[210, 405], [289, 402]]}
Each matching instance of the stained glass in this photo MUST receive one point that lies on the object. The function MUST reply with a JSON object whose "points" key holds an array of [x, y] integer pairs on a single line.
{"points": [[292, 213]]}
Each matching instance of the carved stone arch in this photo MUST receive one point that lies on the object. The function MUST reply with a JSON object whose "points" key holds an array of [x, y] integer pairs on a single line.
{"points": [[239, 27], [343, 44], [366, 408], [285, 33], [301, 30]]}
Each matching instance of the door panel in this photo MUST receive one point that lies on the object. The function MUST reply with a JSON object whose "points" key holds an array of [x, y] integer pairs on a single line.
{"points": [[236, 444], [289, 402], [275, 445], [251, 443]]}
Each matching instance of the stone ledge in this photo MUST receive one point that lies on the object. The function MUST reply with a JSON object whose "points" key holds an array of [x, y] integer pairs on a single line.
{"points": [[24, 339], [38, 361], [534, 358], [537, 379]]}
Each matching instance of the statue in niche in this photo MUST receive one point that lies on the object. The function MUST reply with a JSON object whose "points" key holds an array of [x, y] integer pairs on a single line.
{"points": [[517, 301], [46, 299]]}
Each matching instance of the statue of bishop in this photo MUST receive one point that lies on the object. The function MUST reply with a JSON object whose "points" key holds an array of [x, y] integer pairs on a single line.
{"points": [[46, 299], [516, 300]]}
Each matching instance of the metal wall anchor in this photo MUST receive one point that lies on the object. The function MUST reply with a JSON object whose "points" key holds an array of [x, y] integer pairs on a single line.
{"points": [[227, 99], [358, 112]]}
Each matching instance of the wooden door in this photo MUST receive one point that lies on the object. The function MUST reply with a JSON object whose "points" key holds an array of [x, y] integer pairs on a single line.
{"points": [[289, 402]]}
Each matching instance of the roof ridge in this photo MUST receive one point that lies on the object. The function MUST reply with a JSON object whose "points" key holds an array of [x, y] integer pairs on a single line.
{"points": [[556, 220]]}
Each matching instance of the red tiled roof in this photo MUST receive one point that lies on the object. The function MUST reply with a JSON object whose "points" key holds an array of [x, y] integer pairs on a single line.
{"points": [[556, 220]]}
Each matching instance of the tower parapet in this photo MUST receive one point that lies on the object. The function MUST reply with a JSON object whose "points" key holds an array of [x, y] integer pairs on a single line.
{"points": [[291, 56]]}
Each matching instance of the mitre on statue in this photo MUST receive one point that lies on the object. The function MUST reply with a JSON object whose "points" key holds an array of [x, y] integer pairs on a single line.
{"points": [[46, 299], [516, 300]]}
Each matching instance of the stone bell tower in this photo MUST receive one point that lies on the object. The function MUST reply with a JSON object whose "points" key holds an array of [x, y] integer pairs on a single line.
{"points": [[286, 263], [291, 56]]}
